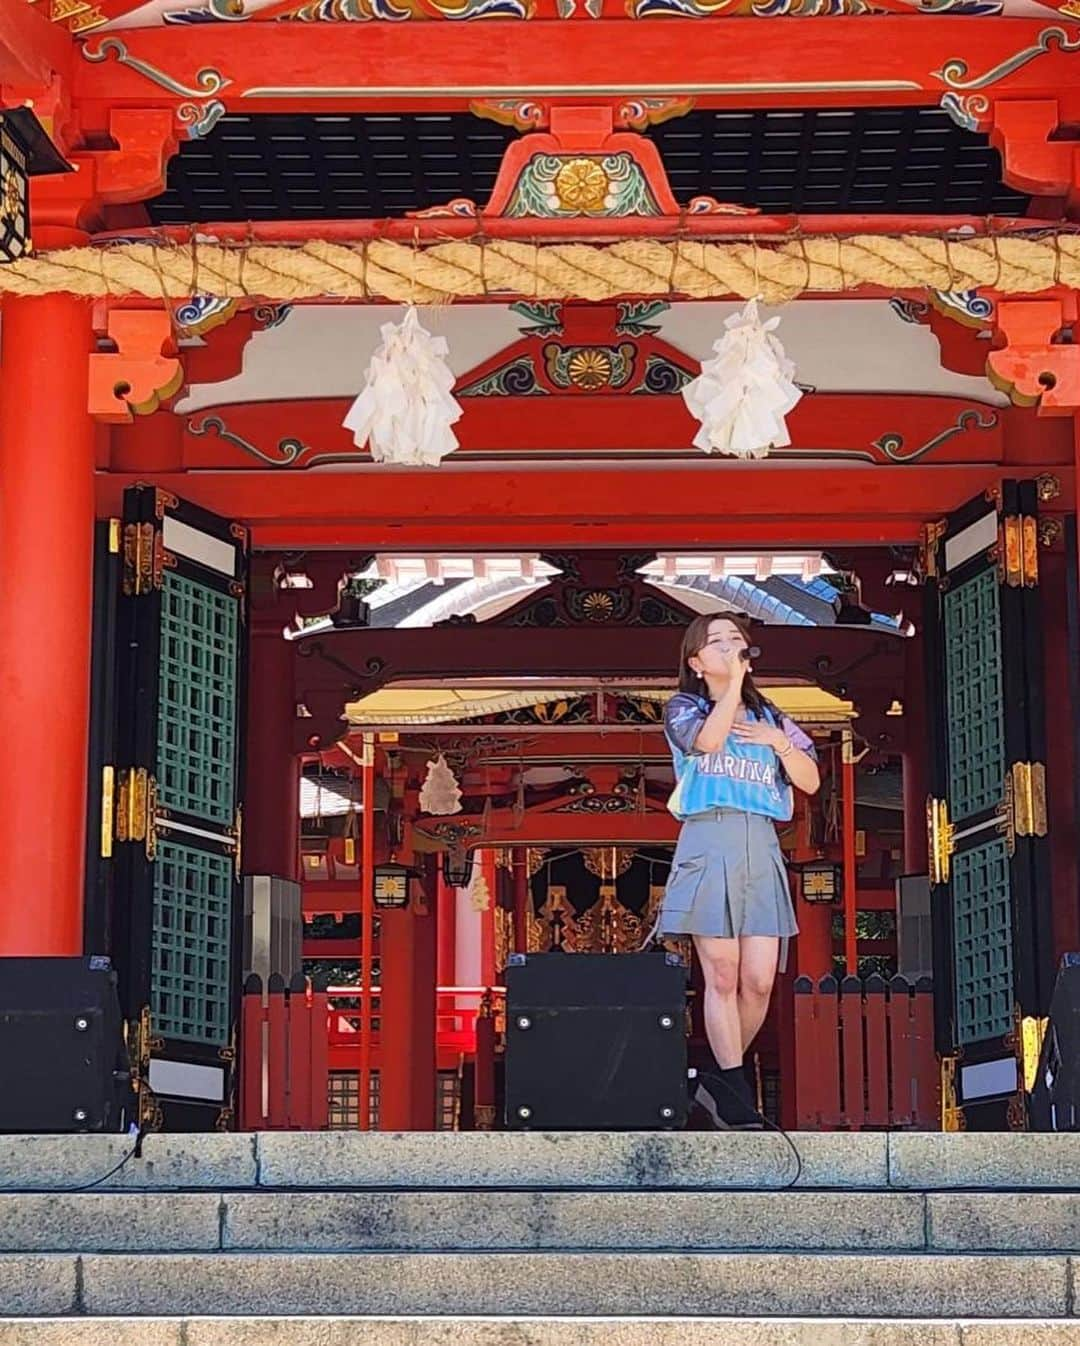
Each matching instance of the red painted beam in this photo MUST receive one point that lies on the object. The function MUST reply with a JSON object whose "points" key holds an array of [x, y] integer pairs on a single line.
{"points": [[852, 427], [702, 503], [32, 51], [845, 62]]}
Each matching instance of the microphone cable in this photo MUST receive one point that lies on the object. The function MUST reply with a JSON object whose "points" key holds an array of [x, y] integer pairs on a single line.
{"points": [[134, 1153], [768, 1125]]}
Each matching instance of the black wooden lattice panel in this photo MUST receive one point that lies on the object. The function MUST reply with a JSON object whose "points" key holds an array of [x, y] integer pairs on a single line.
{"points": [[363, 166]]}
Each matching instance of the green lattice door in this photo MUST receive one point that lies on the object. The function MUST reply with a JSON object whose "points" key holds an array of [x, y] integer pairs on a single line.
{"points": [[993, 955], [177, 797]]}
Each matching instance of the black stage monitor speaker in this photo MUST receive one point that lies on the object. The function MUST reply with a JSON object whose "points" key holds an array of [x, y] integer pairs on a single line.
{"points": [[596, 1042], [63, 1061], [1055, 1100]]}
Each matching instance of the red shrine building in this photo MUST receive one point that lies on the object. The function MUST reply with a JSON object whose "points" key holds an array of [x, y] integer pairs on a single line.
{"points": [[311, 744]]}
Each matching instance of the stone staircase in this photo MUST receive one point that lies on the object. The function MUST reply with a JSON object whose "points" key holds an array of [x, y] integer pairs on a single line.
{"points": [[639, 1239]]}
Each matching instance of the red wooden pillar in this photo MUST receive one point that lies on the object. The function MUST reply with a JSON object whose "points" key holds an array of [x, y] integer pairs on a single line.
{"points": [[446, 921], [46, 575], [407, 1022], [396, 1019], [367, 932], [814, 945], [487, 920], [422, 1048], [272, 793]]}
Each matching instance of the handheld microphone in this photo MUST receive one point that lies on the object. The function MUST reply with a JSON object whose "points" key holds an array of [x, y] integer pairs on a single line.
{"points": [[750, 652]]}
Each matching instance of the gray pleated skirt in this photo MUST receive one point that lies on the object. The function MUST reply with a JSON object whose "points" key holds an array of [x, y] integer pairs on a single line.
{"points": [[728, 879]]}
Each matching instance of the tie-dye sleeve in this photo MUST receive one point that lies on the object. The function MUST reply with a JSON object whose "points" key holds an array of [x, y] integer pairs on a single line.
{"points": [[797, 738], [683, 719]]}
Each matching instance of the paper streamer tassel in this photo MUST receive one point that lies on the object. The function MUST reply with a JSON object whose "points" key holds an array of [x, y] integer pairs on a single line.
{"points": [[407, 406], [743, 394]]}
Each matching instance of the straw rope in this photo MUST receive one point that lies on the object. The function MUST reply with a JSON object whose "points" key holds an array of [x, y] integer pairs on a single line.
{"points": [[381, 269]]}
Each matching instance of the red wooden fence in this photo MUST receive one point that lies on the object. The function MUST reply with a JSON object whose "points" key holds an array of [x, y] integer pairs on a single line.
{"points": [[284, 1069], [864, 1054]]}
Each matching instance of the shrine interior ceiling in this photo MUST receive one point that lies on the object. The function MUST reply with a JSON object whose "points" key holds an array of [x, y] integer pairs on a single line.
{"points": [[321, 351]]}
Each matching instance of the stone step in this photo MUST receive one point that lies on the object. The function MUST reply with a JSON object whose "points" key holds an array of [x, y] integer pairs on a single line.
{"points": [[477, 1331], [573, 1160], [453, 1220], [815, 1285]]}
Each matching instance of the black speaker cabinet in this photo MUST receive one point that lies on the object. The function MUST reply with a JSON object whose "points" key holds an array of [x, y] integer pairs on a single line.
{"points": [[63, 1060], [1055, 1099], [596, 1042]]}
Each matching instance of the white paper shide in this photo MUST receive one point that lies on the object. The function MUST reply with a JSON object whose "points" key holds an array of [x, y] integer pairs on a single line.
{"points": [[407, 407], [440, 793], [744, 392]]}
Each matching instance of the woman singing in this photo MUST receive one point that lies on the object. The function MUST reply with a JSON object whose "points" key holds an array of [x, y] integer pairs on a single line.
{"points": [[736, 759]]}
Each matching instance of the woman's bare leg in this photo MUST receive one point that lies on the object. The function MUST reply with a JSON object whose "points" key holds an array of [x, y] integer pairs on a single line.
{"points": [[720, 965], [758, 957]]}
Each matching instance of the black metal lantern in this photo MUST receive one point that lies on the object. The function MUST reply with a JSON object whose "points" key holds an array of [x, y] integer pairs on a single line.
{"points": [[25, 152], [392, 885], [821, 881], [457, 867]]}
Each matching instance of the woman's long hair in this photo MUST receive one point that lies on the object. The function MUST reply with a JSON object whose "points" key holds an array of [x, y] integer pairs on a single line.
{"points": [[697, 633]]}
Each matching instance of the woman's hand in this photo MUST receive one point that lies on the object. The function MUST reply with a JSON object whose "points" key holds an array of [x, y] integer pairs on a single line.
{"points": [[729, 689], [758, 731]]}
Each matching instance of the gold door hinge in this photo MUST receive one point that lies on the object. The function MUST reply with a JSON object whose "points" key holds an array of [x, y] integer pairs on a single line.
{"points": [[952, 1114], [108, 810], [940, 842], [141, 1043], [1028, 780], [1018, 551], [136, 809], [114, 537], [931, 535], [144, 558], [1029, 527]]}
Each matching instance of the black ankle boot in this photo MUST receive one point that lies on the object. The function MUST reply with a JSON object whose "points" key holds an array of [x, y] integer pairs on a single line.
{"points": [[725, 1095]]}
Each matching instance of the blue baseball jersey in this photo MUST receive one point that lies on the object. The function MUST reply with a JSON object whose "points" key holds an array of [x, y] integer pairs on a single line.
{"points": [[741, 775]]}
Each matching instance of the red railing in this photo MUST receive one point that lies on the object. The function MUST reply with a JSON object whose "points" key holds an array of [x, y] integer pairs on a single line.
{"points": [[864, 1054], [284, 1070], [456, 1010]]}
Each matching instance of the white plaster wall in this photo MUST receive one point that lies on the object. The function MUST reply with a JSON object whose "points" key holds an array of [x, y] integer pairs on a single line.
{"points": [[323, 350]]}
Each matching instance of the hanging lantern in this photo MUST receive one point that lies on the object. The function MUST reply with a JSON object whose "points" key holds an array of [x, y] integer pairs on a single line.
{"points": [[392, 885], [407, 406], [440, 793], [457, 867], [25, 152], [743, 394], [821, 881]]}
